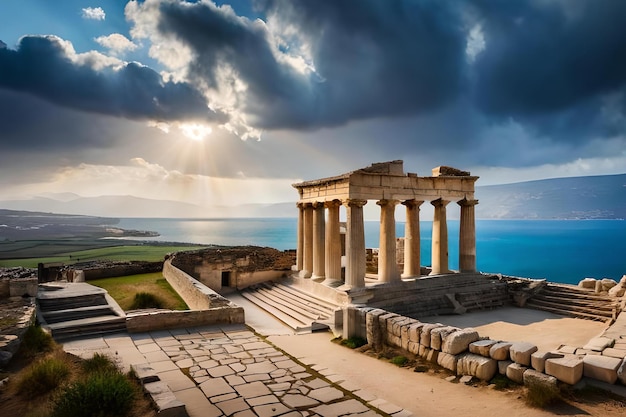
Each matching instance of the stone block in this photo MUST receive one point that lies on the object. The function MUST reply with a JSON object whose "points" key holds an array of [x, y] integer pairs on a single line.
{"points": [[515, 372], [598, 288], [481, 347], [588, 283], [438, 334], [520, 352], [535, 378], [608, 283], [599, 343], [566, 349], [459, 341], [166, 403], [614, 353], [500, 351], [145, 373], [414, 348], [617, 291], [386, 327], [414, 331], [425, 333], [394, 340], [404, 333], [538, 359], [445, 360], [568, 369], [602, 368], [397, 323], [373, 330], [476, 365], [422, 351], [502, 365], [432, 355], [621, 372]]}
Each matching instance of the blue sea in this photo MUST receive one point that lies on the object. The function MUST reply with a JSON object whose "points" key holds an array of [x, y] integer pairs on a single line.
{"points": [[558, 250]]}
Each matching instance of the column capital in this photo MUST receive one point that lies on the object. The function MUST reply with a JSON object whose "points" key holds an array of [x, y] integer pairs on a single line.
{"points": [[440, 202], [412, 203], [332, 203], [385, 202], [317, 204], [466, 202], [353, 202], [300, 204]]}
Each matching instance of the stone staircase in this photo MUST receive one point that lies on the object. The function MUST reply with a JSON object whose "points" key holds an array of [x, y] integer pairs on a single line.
{"points": [[300, 311], [70, 310], [575, 302], [441, 295]]}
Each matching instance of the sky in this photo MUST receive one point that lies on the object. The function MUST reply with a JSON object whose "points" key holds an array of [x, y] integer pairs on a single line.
{"points": [[231, 102]]}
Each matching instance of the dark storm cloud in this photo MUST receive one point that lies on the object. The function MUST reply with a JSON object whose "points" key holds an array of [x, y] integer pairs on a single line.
{"points": [[551, 63], [372, 59], [40, 66]]}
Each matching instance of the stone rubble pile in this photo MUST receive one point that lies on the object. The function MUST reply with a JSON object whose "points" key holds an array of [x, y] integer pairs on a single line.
{"points": [[465, 353], [610, 286]]}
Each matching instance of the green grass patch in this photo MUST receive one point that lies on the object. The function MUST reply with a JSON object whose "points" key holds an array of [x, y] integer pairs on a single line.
{"points": [[35, 342], [43, 376], [541, 395], [399, 360], [501, 382], [354, 342], [98, 363], [146, 300], [104, 394], [40, 253], [124, 289]]}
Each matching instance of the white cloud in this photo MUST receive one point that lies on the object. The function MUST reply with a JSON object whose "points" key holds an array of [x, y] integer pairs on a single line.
{"points": [[116, 43], [93, 13], [144, 179]]}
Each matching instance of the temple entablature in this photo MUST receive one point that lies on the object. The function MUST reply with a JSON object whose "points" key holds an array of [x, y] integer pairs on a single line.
{"points": [[387, 181]]}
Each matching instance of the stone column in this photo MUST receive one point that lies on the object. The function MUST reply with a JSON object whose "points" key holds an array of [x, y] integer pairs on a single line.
{"points": [[300, 243], [467, 236], [387, 267], [307, 259], [355, 244], [440, 238], [319, 223], [412, 264], [333, 244]]}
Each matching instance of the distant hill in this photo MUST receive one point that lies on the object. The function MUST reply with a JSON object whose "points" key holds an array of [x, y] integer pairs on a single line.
{"points": [[593, 197]]}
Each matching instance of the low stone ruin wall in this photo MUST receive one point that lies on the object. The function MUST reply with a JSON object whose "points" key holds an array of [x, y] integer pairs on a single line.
{"points": [[465, 352], [18, 282], [207, 306], [159, 320], [98, 270]]}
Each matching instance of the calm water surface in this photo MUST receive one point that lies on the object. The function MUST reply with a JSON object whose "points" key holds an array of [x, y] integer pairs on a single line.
{"points": [[559, 250]]}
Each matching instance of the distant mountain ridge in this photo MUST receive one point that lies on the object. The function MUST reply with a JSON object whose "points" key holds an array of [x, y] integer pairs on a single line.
{"points": [[592, 197]]}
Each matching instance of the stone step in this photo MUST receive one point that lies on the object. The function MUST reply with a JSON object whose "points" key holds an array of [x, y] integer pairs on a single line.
{"points": [[576, 292], [66, 303], [305, 300], [277, 300], [76, 313], [566, 311], [87, 326], [286, 318], [576, 302]]}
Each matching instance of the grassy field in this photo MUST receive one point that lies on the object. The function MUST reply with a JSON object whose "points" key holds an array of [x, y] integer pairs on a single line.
{"points": [[123, 290], [151, 253]]}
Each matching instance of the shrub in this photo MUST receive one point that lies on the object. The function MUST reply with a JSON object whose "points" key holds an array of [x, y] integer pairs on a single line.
{"points": [[36, 341], [44, 376], [354, 342], [399, 360], [501, 382], [99, 363], [103, 394], [541, 395], [146, 300]]}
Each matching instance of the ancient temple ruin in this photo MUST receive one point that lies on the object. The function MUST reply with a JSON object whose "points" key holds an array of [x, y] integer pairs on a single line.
{"points": [[319, 246]]}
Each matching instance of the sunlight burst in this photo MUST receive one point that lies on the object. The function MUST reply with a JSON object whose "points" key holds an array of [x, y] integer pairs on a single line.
{"points": [[195, 131]]}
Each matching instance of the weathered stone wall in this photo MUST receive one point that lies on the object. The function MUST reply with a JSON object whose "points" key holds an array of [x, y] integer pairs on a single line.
{"points": [[465, 352], [98, 270], [197, 295], [161, 320], [18, 282]]}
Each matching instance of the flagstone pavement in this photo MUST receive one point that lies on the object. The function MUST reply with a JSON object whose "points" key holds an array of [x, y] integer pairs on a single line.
{"points": [[231, 371]]}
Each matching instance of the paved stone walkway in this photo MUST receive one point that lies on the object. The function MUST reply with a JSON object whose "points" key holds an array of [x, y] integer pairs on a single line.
{"points": [[230, 371]]}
